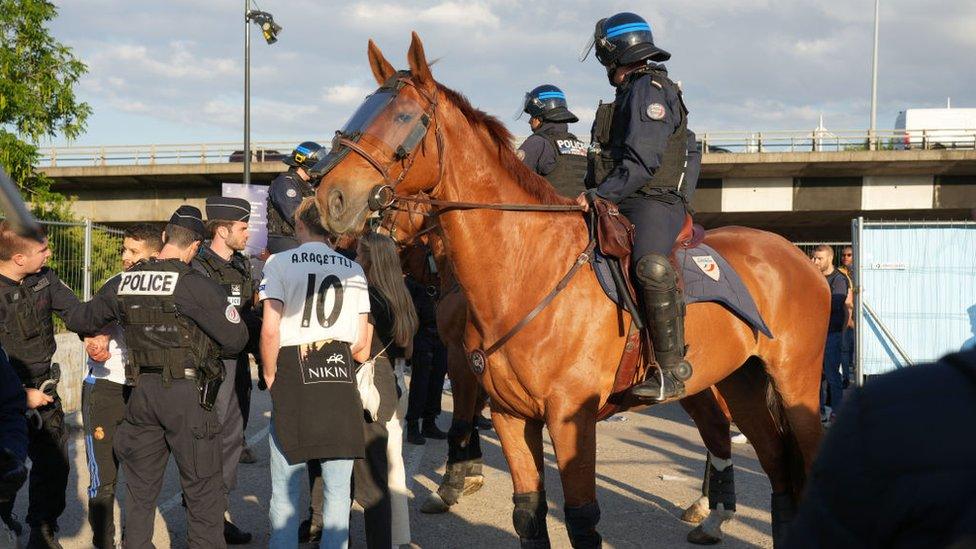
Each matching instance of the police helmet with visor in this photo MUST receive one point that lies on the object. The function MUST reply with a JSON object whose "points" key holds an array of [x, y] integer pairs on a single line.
{"points": [[547, 103], [305, 155], [623, 39]]}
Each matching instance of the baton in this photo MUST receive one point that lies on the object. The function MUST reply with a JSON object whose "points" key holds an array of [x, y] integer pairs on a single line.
{"points": [[13, 207]]}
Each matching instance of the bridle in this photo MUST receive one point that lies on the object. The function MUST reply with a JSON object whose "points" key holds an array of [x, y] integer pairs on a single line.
{"points": [[384, 198]]}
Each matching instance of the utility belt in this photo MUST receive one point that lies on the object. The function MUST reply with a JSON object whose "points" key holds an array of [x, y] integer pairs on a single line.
{"points": [[208, 386]]}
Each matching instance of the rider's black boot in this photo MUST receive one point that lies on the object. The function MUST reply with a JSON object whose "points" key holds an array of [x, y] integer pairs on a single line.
{"points": [[664, 311]]}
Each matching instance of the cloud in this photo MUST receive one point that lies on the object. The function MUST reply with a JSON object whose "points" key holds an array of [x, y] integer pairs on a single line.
{"points": [[753, 65], [345, 94], [453, 14]]}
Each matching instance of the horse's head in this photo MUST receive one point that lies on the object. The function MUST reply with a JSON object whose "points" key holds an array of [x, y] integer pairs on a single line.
{"points": [[389, 145]]}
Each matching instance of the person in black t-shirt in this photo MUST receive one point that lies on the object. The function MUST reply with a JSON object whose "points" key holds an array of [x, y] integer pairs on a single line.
{"points": [[841, 304]]}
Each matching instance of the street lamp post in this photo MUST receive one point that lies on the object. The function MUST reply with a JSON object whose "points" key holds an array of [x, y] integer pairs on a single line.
{"points": [[874, 81], [270, 30]]}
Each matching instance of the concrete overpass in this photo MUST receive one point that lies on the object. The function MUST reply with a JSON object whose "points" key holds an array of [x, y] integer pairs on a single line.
{"points": [[808, 195]]}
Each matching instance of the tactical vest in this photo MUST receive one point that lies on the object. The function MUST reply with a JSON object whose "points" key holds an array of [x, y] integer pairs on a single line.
{"points": [[606, 149], [567, 176], [234, 276], [278, 224], [157, 335], [26, 336]]}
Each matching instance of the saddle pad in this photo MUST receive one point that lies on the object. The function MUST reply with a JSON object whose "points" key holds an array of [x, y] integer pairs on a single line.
{"points": [[707, 276]]}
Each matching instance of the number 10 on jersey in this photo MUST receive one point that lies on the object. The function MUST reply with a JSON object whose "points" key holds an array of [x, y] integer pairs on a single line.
{"points": [[321, 291]]}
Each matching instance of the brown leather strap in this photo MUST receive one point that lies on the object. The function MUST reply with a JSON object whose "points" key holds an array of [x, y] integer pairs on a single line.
{"points": [[448, 205], [580, 261], [351, 145]]}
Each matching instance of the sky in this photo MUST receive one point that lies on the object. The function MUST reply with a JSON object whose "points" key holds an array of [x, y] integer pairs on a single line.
{"points": [[172, 71]]}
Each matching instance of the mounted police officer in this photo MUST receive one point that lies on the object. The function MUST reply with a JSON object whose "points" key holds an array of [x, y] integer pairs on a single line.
{"points": [[551, 151], [645, 160], [177, 324], [222, 261], [29, 294], [286, 193]]}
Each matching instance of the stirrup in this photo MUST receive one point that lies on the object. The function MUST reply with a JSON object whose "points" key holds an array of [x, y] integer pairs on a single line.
{"points": [[661, 396]]}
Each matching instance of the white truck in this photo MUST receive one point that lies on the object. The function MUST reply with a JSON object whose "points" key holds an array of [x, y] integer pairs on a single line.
{"points": [[936, 129]]}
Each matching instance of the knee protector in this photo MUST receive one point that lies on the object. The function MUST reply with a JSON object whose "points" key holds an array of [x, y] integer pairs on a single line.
{"points": [[721, 488], [529, 515], [655, 273], [581, 525]]}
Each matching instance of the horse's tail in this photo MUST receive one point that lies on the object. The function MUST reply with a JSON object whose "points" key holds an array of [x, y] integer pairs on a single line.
{"points": [[791, 447]]}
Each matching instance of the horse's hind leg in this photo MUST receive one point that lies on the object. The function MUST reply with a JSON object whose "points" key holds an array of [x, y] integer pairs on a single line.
{"points": [[573, 432], [718, 487], [745, 391], [522, 443], [795, 403]]}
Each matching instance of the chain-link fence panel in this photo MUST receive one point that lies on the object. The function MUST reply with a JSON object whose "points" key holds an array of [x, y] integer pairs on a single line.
{"points": [[84, 255]]}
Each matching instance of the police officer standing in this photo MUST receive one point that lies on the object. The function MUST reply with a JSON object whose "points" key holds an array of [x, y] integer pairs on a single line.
{"points": [[177, 324], [13, 445], [286, 193], [223, 262], [647, 164], [29, 293], [551, 151]]}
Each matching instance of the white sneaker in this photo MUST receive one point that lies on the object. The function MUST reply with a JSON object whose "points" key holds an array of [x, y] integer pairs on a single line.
{"points": [[740, 439]]}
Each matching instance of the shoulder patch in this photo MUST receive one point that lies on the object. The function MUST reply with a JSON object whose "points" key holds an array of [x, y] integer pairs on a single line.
{"points": [[148, 283], [520, 154], [232, 315], [656, 111], [292, 193]]}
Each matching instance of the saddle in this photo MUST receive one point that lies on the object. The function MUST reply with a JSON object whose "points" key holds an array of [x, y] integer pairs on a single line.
{"points": [[614, 236]]}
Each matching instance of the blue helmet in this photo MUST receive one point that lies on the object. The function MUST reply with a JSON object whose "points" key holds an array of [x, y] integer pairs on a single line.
{"points": [[623, 39], [548, 103], [305, 155]]}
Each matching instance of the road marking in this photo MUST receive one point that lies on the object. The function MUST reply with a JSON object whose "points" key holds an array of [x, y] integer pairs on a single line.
{"points": [[173, 501]]}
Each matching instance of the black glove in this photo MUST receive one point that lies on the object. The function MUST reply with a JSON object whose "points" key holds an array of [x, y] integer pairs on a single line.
{"points": [[13, 473]]}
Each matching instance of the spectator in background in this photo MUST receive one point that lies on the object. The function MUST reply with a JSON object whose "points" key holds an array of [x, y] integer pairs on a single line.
{"points": [[897, 468], [841, 304], [428, 367], [848, 339], [380, 481], [105, 393]]}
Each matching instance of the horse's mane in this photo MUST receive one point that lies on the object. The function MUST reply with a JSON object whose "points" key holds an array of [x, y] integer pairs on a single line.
{"points": [[531, 182]]}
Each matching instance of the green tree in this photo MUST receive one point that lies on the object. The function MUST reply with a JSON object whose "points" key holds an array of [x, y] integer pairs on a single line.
{"points": [[37, 99]]}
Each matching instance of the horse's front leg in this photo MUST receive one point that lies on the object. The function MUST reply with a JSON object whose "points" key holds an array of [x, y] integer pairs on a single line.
{"points": [[572, 427], [463, 474], [719, 484], [522, 443]]}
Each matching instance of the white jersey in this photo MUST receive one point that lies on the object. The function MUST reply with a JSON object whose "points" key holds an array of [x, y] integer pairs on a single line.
{"points": [[322, 291], [112, 369]]}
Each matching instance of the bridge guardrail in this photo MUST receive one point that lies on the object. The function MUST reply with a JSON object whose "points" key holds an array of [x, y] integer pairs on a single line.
{"points": [[710, 142]]}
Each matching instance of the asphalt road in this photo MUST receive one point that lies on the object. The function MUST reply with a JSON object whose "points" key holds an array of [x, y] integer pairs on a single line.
{"points": [[649, 470]]}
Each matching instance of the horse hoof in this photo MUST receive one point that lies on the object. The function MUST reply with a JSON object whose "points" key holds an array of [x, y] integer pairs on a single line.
{"points": [[698, 536], [695, 513], [472, 484], [434, 505]]}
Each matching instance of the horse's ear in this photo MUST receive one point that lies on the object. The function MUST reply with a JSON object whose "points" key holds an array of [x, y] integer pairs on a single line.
{"points": [[382, 69], [418, 62]]}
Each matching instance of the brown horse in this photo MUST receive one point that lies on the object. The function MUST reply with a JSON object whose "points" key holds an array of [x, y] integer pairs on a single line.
{"points": [[416, 233], [559, 369]]}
